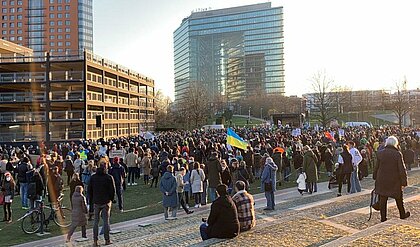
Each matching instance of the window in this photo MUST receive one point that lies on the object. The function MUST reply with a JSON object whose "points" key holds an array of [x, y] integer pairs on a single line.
{"points": [[67, 23], [60, 37], [59, 8], [52, 44], [4, 17], [20, 2], [4, 32], [19, 31], [67, 7], [4, 10], [59, 23], [12, 17], [12, 31], [52, 16], [19, 24], [52, 23], [60, 50], [51, 1], [59, 30], [52, 37], [67, 1], [4, 25], [67, 43], [51, 8], [12, 24], [4, 3], [59, 1], [12, 2], [19, 10], [67, 30], [60, 43], [60, 15], [67, 36], [19, 17], [52, 30], [12, 10], [12, 38], [20, 38], [67, 15]]}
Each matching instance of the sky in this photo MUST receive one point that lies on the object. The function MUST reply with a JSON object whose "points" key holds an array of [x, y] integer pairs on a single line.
{"points": [[359, 44]]}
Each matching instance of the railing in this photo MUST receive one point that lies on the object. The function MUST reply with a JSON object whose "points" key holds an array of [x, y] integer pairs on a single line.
{"points": [[123, 100], [134, 88], [142, 91], [94, 77], [93, 96], [110, 99], [66, 135], [67, 95], [110, 82], [22, 77], [66, 115], [22, 116], [22, 97], [92, 114], [123, 85], [66, 75], [123, 116], [111, 115], [134, 116]]}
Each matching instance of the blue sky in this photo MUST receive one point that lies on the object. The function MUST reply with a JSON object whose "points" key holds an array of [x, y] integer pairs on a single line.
{"points": [[360, 44]]}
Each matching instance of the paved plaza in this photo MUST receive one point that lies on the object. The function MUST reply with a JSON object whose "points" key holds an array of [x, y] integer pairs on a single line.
{"points": [[321, 219]]}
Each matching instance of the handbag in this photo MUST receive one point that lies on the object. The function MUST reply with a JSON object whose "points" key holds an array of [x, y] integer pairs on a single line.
{"points": [[268, 187], [374, 202]]}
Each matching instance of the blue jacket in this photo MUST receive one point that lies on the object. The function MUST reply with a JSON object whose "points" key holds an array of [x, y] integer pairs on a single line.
{"points": [[168, 184], [118, 173], [186, 178], [269, 175]]}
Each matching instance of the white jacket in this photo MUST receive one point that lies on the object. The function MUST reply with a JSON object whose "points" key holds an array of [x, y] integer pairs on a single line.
{"points": [[357, 157], [196, 180], [301, 181]]}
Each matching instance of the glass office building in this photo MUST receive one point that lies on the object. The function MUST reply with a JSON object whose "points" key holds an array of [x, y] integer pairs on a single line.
{"points": [[234, 53]]}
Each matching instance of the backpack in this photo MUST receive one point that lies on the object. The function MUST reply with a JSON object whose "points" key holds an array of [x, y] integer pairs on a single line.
{"points": [[374, 202]]}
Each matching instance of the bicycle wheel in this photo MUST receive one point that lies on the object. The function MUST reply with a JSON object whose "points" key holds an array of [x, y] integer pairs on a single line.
{"points": [[62, 217], [31, 223]]}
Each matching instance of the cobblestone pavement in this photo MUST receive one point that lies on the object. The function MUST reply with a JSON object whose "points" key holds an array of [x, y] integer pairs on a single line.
{"points": [[302, 221], [397, 235]]}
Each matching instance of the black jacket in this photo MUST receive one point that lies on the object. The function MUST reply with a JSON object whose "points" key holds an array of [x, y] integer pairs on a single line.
{"points": [[101, 188], [223, 219], [22, 170], [118, 173]]}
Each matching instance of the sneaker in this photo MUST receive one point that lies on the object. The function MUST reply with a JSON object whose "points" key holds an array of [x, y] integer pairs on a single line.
{"points": [[129, 184], [187, 206], [197, 205], [121, 210], [25, 208], [405, 216], [134, 184], [339, 194], [190, 212]]}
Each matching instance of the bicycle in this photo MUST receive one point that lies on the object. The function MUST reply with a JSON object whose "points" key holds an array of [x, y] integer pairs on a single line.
{"points": [[31, 221]]}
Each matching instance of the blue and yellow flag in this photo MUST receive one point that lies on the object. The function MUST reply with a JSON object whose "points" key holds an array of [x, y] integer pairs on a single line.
{"points": [[234, 140]]}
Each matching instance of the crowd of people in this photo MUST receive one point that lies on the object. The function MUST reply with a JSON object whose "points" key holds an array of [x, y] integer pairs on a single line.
{"points": [[201, 167]]}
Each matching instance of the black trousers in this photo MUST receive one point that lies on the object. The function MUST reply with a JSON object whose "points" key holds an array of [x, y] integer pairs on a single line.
{"points": [[182, 202], [341, 178], [7, 211], [383, 206]]}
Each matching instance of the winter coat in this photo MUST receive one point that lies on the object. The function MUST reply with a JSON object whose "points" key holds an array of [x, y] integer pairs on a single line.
{"points": [[79, 210], [101, 188], [118, 173], [249, 158], [223, 219], [226, 176], [309, 167], [186, 178], [131, 160], [197, 178], [8, 189], [346, 163], [301, 181], [269, 175], [155, 168], [408, 155], [213, 170], [73, 184], [179, 182], [168, 184], [329, 163], [277, 159], [147, 165], [390, 173]]}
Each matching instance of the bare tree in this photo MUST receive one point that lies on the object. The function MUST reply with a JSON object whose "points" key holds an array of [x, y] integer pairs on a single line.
{"points": [[400, 102], [162, 111], [325, 102], [195, 106]]}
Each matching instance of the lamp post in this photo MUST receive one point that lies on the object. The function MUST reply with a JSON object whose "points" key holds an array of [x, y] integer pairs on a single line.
{"points": [[261, 113], [249, 113]]}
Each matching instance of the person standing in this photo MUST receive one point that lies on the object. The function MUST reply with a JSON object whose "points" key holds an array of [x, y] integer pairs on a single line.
{"points": [[356, 159], [180, 189], [168, 187], [75, 181], [155, 170], [310, 162], [23, 168], [213, 169], [69, 168], [196, 180], [131, 159], [146, 164], [8, 191], [78, 213], [118, 174], [344, 170], [390, 177], [101, 191], [268, 182]]}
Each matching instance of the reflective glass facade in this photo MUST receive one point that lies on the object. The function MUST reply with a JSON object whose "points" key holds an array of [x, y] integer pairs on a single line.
{"points": [[85, 25], [235, 52]]}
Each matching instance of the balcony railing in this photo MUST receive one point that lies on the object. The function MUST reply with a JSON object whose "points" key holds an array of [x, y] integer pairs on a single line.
{"points": [[22, 116], [67, 95], [110, 99], [110, 115], [94, 96], [22, 77], [66, 115], [66, 135], [16, 137], [66, 76], [92, 114], [22, 97]]}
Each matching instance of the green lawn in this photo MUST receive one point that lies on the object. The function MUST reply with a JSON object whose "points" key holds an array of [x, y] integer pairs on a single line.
{"points": [[241, 121]]}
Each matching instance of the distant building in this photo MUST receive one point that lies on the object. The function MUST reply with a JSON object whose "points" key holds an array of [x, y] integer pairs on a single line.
{"points": [[57, 26], [232, 53], [57, 98]]}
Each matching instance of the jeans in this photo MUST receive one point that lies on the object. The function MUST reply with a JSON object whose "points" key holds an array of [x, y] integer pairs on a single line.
{"points": [[146, 179], [119, 191], [131, 174], [212, 194], [355, 182], [166, 212], [103, 210], [197, 197], [286, 173], [203, 231], [24, 194], [182, 202], [204, 194], [383, 206], [269, 195]]}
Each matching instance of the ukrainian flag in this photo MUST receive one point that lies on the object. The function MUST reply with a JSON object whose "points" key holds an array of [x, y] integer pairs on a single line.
{"points": [[234, 140]]}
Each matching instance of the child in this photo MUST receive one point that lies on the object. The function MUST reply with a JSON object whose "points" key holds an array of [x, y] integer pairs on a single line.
{"points": [[301, 181], [8, 189], [78, 214]]}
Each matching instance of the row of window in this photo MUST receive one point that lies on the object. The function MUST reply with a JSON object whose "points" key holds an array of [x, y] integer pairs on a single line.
{"points": [[67, 43], [60, 23], [59, 1], [59, 8], [11, 24], [12, 32], [11, 3], [11, 18], [60, 30], [12, 10], [12, 38], [67, 36], [59, 15]]}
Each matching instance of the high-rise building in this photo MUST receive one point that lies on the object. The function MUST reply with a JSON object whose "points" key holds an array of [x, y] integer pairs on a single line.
{"points": [[57, 26], [233, 53]]}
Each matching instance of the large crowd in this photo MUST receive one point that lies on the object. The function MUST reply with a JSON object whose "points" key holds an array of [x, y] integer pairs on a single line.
{"points": [[199, 167]]}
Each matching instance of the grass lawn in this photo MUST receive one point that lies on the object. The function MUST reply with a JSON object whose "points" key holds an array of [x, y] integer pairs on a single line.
{"points": [[242, 121], [139, 201]]}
